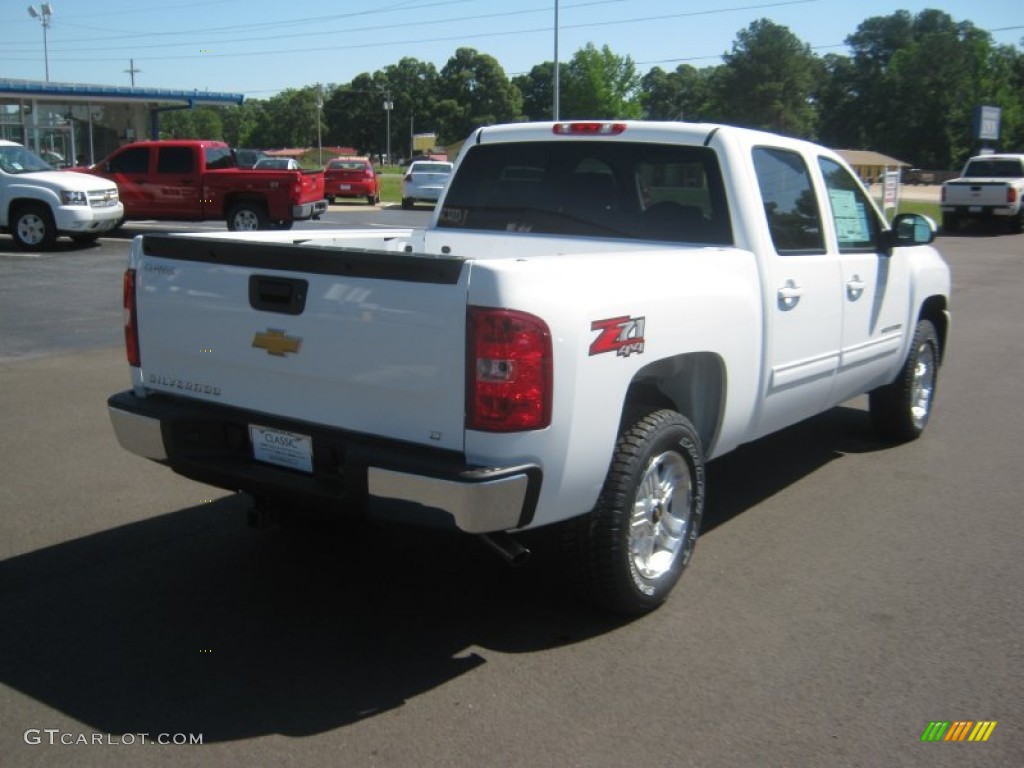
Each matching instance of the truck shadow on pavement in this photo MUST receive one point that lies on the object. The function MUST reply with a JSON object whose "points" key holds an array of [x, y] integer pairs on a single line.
{"points": [[191, 623]]}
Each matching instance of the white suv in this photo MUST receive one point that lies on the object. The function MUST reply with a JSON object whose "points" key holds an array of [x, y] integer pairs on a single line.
{"points": [[38, 203]]}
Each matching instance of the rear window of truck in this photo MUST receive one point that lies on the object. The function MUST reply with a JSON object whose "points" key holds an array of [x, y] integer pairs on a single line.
{"points": [[995, 169], [591, 188]]}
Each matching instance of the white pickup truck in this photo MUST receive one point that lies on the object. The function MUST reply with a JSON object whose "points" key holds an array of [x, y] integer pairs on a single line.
{"points": [[38, 203], [595, 311], [990, 187]]}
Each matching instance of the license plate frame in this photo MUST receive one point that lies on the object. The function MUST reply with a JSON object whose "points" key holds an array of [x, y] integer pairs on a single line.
{"points": [[291, 450]]}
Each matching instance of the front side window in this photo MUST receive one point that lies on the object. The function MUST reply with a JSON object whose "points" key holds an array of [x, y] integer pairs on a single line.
{"points": [[131, 160], [174, 160], [218, 157], [591, 188], [790, 204], [856, 224]]}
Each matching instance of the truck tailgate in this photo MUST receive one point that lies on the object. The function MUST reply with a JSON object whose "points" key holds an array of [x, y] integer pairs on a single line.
{"points": [[369, 341]]}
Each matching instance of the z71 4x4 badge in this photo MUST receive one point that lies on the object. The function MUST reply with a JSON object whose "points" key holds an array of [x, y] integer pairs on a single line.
{"points": [[622, 335]]}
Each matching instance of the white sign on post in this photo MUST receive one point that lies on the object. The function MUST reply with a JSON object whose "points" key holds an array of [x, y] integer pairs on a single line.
{"points": [[891, 190]]}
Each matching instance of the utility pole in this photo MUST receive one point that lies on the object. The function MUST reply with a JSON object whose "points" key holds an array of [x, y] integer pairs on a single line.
{"points": [[388, 106], [319, 140], [132, 70], [554, 106]]}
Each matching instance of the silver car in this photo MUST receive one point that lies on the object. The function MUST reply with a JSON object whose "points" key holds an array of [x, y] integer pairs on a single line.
{"points": [[424, 181]]}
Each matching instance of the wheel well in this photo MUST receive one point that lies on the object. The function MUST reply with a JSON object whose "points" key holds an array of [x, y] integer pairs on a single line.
{"points": [[692, 384], [233, 200], [934, 309], [24, 202]]}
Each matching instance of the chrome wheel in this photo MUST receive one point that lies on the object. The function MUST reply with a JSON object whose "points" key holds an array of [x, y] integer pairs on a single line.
{"points": [[662, 526], [900, 410], [246, 220], [923, 385]]}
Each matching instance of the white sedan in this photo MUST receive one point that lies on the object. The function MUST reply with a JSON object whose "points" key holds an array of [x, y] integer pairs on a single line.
{"points": [[424, 181]]}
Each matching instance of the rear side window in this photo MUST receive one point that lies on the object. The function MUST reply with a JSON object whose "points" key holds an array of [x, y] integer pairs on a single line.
{"points": [[131, 160], [790, 205], [174, 160], [591, 188], [855, 221], [218, 157]]}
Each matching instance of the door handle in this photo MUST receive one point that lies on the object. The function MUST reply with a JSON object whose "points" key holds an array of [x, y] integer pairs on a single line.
{"points": [[855, 288], [789, 295]]}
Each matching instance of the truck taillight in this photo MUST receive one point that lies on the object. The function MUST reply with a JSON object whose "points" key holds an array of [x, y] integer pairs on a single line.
{"points": [[508, 371], [131, 321], [1011, 195]]}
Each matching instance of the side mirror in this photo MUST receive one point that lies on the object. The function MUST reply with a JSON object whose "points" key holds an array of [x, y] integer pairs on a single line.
{"points": [[910, 229]]}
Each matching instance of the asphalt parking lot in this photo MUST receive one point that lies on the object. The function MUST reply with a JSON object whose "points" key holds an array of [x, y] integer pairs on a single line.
{"points": [[844, 593]]}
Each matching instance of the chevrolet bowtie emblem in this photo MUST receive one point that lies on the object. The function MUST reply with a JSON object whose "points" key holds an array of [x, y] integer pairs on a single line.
{"points": [[276, 342]]}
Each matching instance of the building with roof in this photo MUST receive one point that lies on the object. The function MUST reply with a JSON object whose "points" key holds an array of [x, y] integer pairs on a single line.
{"points": [[79, 124], [870, 165]]}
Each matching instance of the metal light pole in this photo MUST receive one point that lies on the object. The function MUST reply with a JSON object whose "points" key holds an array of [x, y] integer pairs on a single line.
{"points": [[554, 106], [43, 13], [388, 106], [319, 140]]}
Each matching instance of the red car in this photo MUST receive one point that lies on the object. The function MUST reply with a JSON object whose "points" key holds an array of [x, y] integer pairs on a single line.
{"points": [[351, 177]]}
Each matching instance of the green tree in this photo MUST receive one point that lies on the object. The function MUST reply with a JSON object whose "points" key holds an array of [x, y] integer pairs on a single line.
{"points": [[538, 88], [196, 123], [678, 95], [597, 83], [413, 86], [914, 83], [240, 122], [290, 120], [355, 114], [768, 81], [474, 90]]}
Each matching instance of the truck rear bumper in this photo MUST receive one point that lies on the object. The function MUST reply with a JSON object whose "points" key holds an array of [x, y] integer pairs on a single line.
{"points": [[210, 443], [979, 211], [309, 210]]}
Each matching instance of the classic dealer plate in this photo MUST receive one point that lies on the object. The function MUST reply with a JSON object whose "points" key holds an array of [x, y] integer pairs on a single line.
{"points": [[286, 449]]}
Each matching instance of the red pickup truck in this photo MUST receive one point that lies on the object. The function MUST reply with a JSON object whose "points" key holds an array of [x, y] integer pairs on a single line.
{"points": [[194, 180]]}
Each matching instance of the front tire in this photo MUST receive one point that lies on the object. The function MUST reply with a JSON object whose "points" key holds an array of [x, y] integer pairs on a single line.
{"points": [[900, 410], [33, 228], [642, 532], [247, 217]]}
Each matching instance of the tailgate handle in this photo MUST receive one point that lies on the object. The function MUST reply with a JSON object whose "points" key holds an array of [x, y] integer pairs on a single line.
{"points": [[284, 295]]}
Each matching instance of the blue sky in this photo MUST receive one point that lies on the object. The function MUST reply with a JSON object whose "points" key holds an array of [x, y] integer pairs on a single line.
{"points": [[259, 47]]}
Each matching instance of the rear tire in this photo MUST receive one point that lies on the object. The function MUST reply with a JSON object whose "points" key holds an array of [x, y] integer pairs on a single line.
{"points": [[900, 410], [407, 203], [950, 222], [32, 228], [640, 536], [1017, 222], [247, 217]]}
